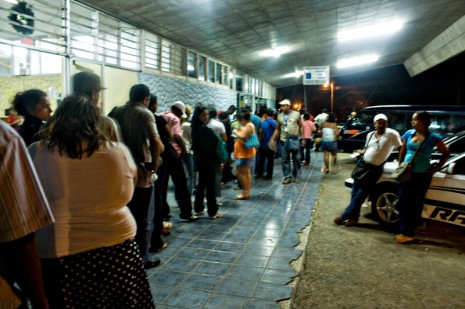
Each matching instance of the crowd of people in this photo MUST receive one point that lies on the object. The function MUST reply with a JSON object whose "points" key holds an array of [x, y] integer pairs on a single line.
{"points": [[94, 201]]}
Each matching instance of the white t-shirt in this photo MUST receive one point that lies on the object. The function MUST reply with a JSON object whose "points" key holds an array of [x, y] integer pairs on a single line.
{"points": [[187, 136], [320, 119], [378, 149], [217, 126], [88, 199]]}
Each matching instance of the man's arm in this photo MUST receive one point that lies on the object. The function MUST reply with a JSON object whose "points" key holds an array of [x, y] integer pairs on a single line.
{"points": [[156, 147], [301, 127], [303, 142], [276, 131], [224, 137], [22, 261], [312, 127], [178, 140]]}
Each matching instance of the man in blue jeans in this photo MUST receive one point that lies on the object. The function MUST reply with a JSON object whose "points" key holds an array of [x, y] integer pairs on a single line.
{"points": [[265, 154], [289, 128], [377, 149]]}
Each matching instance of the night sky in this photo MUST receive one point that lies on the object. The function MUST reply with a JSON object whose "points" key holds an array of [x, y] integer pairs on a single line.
{"points": [[441, 85]]}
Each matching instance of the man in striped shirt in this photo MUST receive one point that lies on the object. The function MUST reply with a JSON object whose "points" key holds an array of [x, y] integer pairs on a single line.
{"points": [[23, 210]]}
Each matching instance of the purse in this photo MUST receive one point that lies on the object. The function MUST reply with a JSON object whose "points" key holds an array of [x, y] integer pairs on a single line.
{"points": [[294, 143], [365, 173], [252, 141], [404, 171]]}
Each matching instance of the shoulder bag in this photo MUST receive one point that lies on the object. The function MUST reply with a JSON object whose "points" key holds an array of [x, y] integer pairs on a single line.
{"points": [[366, 173], [252, 141], [221, 151], [404, 171]]}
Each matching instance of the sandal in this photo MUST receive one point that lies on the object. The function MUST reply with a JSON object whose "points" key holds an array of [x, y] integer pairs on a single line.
{"points": [[242, 197], [217, 215], [163, 247]]}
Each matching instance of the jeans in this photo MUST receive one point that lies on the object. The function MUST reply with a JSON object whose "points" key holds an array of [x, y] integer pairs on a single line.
{"points": [[161, 209], [411, 198], [188, 162], [176, 170], [286, 154], [305, 150], [359, 194], [140, 209]]}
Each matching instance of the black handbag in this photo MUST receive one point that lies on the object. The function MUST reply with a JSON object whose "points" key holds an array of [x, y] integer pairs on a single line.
{"points": [[365, 173]]}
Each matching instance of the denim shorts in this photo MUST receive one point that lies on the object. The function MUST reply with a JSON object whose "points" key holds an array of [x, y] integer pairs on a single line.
{"points": [[328, 146], [243, 162]]}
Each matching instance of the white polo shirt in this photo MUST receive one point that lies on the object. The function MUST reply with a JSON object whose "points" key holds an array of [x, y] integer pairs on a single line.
{"points": [[377, 150]]}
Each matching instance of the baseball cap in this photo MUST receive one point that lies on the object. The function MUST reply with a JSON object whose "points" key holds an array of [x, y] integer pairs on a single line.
{"points": [[380, 116], [182, 107], [285, 102], [86, 82], [223, 115]]}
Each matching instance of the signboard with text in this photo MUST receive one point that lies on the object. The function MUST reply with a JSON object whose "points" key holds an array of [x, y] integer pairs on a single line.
{"points": [[318, 75]]}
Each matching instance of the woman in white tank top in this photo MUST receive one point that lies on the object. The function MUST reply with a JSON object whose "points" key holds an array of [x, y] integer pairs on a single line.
{"points": [[329, 144]]}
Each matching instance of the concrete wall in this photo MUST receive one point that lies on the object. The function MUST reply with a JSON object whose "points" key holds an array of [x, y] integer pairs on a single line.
{"points": [[171, 89]]}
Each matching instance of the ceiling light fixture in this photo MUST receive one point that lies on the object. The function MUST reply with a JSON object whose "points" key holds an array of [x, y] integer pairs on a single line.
{"points": [[275, 52], [370, 31], [295, 74], [359, 60]]}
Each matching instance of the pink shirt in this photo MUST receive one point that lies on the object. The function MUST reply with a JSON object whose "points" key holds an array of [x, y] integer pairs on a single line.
{"points": [[174, 124], [309, 127]]}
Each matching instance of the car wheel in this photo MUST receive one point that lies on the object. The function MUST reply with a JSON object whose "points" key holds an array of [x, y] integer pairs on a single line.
{"points": [[384, 199]]}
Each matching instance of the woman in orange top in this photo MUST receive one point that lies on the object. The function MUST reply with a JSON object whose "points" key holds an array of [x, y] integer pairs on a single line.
{"points": [[244, 156]]}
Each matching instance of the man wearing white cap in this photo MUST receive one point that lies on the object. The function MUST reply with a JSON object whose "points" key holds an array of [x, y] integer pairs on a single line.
{"points": [[289, 128], [377, 149]]}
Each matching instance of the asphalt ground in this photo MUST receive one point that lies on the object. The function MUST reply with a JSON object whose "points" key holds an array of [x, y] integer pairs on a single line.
{"points": [[363, 266]]}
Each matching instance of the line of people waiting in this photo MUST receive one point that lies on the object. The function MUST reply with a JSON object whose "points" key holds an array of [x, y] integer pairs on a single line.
{"points": [[95, 188]]}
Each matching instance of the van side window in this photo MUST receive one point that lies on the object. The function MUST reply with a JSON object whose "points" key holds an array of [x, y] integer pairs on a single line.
{"points": [[397, 121], [456, 123], [363, 119]]}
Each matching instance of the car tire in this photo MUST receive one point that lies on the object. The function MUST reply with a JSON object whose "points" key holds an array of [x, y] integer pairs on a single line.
{"points": [[384, 199]]}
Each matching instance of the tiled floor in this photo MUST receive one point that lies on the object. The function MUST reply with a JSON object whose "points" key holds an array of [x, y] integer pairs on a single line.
{"points": [[242, 259]]}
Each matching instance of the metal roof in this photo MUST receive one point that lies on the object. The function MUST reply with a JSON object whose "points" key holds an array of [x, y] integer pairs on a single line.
{"points": [[235, 31]]}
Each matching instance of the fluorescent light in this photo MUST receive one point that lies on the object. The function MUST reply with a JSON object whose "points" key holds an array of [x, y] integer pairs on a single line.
{"points": [[359, 60], [295, 74], [12, 1], [275, 52], [371, 31]]}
